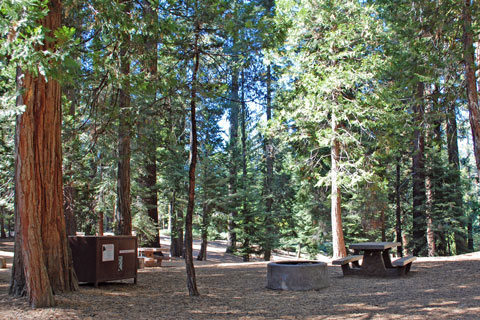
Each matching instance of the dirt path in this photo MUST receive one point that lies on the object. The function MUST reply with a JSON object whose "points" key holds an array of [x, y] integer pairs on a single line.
{"points": [[436, 288], [216, 253]]}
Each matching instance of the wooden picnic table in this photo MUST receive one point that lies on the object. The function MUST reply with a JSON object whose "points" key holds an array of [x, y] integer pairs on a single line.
{"points": [[376, 257], [148, 257], [150, 252], [376, 260]]}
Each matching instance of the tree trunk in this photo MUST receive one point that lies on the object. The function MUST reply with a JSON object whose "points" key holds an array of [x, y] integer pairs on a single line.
{"points": [[339, 250], [454, 161], [470, 233], [69, 188], [233, 145], [191, 279], [68, 207], [405, 250], [247, 216], [176, 236], [202, 254], [41, 246], [9, 228], [150, 197], [384, 231], [437, 174], [170, 215], [180, 231], [18, 286], [471, 82], [477, 55], [418, 172], [100, 223], [101, 199], [124, 215], [269, 174], [430, 234], [398, 209], [2, 225], [174, 250], [431, 178], [149, 179]]}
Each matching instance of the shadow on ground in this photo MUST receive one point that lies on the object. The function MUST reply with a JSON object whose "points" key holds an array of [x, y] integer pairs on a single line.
{"points": [[437, 288]]}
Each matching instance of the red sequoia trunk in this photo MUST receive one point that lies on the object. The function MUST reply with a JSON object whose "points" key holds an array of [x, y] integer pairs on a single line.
{"points": [[124, 214], [432, 247], [472, 94], [338, 241], [149, 179], [42, 239], [418, 172], [454, 161]]}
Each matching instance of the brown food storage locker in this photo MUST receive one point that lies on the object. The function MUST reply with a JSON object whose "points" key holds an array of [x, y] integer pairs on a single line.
{"points": [[104, 258]]}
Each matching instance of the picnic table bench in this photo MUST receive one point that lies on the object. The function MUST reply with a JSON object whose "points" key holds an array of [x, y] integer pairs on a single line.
{"points": [[345, 263], [375, 260], [404, 264], [152, 257]]}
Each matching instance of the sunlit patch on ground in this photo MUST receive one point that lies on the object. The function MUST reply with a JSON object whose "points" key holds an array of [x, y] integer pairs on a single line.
{"points": [[437, 288]]}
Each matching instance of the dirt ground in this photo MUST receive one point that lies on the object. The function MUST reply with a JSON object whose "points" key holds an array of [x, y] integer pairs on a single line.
{"points": [[436, 288]]}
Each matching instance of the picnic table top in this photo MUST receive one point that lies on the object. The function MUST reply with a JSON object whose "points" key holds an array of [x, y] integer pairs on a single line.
{"points": [[374, 245]]}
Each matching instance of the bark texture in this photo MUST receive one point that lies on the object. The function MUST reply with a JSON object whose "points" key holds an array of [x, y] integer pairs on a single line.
{"points": [[472, 94], [234, 152], [269, 174], [68, 208], [454, 161], [339, 250], [18, 286], [246, 212], [398, 208], [418, 172], [41, 233], [433, 173], [191, 279], [149, 179], [124, 214], [176, 235], [202, 254]]}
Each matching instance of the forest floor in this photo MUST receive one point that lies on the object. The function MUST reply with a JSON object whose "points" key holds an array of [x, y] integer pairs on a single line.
{"points": [[436, 288]]}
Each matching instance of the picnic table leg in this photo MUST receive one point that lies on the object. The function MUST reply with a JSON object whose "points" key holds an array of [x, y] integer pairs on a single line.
{"points": [[386, 258], [373, 263], [401, 271], [356, 264]]}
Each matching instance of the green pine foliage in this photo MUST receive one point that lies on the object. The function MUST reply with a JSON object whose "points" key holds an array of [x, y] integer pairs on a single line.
{"points": [[360, 61]]}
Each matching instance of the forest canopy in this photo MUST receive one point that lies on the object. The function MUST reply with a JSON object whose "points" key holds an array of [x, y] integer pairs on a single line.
{"points": [[316, 123]]}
